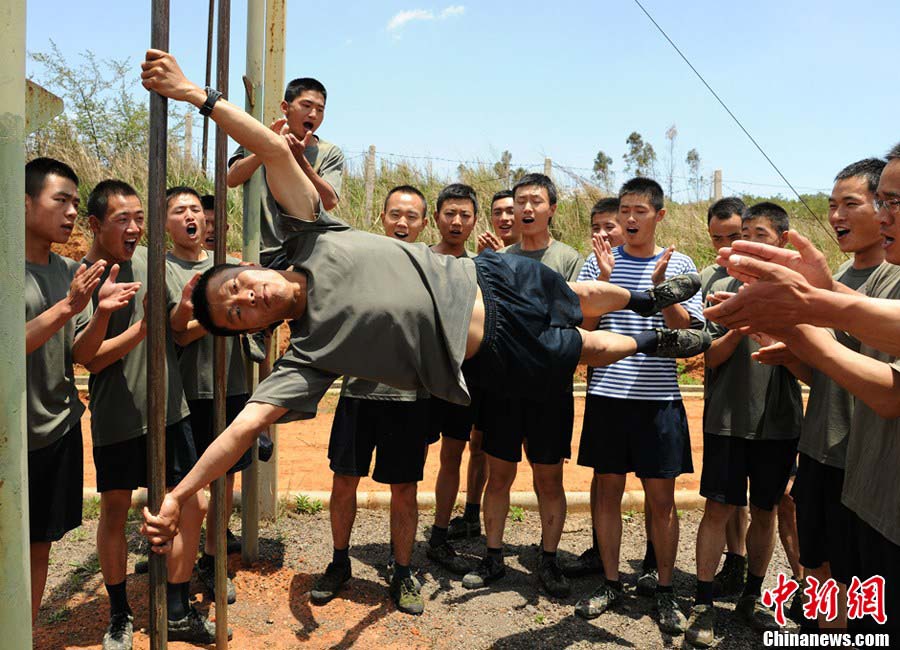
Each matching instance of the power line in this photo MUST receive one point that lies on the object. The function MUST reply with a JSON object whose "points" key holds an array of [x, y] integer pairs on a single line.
{"points": [[736, 120]]}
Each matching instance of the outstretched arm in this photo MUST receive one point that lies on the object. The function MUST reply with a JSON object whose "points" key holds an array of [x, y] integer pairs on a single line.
{"points": [[289, 185]]}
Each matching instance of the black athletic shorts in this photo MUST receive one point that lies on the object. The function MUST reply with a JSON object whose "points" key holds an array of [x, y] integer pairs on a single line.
{"points": [[202, 425], [729, 463], [544, 426], [823, 522], [398, 430], [873, 554], [55, 487], [123, 465], [647, 437], [451, 420], [531, 343]]}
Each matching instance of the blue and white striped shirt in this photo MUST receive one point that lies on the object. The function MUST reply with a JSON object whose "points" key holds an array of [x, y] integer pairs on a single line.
{"points": [[638, 376]]}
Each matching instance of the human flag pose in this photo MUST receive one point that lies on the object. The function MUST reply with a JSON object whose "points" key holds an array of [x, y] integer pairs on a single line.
{"points": [[379, 309]]}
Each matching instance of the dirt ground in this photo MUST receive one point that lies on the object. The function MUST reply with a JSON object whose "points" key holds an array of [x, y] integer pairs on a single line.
{"points": [[273, 609], [303, 455]]}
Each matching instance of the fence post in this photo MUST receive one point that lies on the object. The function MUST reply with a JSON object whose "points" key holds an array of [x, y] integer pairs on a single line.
{"points": [[548, 167], [189, 138], [209, 41], [717, 185], [370, 183]]}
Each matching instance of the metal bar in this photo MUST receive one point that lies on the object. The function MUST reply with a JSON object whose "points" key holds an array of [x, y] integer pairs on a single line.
{"points": [[256, 19], [219, 361], [156, 324], [273, 92], [15, 574], [209, 42]]}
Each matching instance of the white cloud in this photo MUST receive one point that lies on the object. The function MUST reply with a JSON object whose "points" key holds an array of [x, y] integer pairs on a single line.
{"points": [[401, 18]]}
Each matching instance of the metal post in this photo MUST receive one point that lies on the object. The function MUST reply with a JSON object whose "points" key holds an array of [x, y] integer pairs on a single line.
{"points": [[209, 42], [717, 184], [156, 324], [273, 92], [15, 575], [189, 138], [256, 46], [219, 361], [370, 184]]}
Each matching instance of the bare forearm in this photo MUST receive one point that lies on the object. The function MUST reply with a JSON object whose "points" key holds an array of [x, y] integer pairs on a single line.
{"points": [[228, 447], [676, 317], [801, 371], [326, 193], [722, 348], [241, 170], [193, 332], [874, 321], [88, 342], [111, 350], [42, 327]]}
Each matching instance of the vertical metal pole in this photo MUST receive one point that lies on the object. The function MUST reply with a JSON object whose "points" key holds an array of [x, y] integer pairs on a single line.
{"points": [[219, 361], [370, 184], [256, 45], [15, 575], [156, 324], [273, 92], [209, 42]]}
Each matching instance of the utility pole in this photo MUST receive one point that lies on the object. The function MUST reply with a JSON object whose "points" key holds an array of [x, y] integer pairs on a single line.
{"points": [[370, 184], [717, 185]]}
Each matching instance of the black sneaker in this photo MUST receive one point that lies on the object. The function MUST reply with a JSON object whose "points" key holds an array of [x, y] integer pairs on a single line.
{"points": [[329, 583], [680, 344], [598, 602], [194, 628], [462, 528], [490, 569], [254, 346], [552, 578], [586, 564], [407, 595], [671, 619], [700, 627], [232, 543], [730, 580], [671, 292], [206, 573], [446, 556], [120, 633], [647, 582]]}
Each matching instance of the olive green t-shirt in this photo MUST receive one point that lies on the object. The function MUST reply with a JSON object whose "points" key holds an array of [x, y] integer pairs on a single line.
{"points": [[560, 257], [710, 274], [829, 409], [873, 447], [52, 397], [196, 360], [119, 391], [326, 159], [377, 309], [746, 399]]}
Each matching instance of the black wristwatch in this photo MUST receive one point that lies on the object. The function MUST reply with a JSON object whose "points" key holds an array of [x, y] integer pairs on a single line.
{"points": [[212, 96]]}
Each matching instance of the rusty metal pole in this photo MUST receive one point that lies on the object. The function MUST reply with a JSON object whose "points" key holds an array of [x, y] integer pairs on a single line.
{"points": [[219, 361], [156, 324], [209, 43], [256, 46], [15, 575]]}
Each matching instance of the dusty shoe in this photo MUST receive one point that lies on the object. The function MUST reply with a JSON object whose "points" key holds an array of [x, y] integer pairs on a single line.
{"points": [[490, 569], [680, 344], [232, 543], [730, 580], [329, 583], [700, 626], [462, 528], [598, 602], [755, 614], [646, 583], [671, 292], [407, 595], [552, 579], [120, 632], [194, 628], [446, 556], [206, 572], [586, 564], [671, 619]]}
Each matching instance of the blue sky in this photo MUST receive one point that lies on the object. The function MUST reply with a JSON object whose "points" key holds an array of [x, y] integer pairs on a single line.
{"points": [[466, 81]]}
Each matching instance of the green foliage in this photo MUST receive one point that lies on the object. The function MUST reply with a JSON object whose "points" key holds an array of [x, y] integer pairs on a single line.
{"points": [[90, 508], [602, 172], [640, 159], [307, 506], [629, 515], [516, 513], [540, 619]]}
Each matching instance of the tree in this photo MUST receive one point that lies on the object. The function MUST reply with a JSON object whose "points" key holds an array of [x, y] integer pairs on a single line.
{"points": [[671, 134], [602, 172], [693, 162], [640, 159], [502, 169]]}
